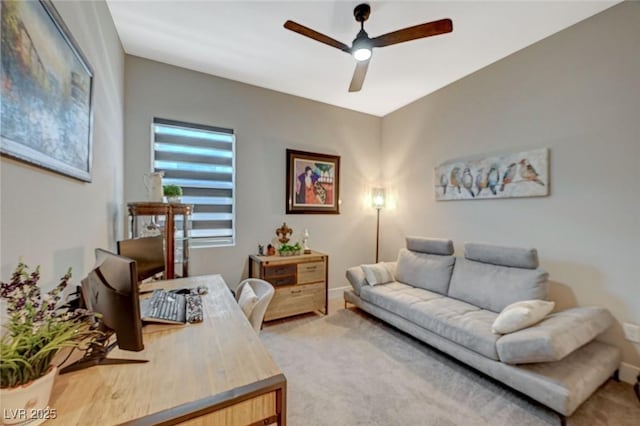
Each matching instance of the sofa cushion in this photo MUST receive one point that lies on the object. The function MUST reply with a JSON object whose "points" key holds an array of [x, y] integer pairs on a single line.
{"points": [[377, 274], [555, 337], [521, 315], [514, 257], [355, 276], [430, 245], [428, 271], [494, 287], [457, 321], [396, 297]]}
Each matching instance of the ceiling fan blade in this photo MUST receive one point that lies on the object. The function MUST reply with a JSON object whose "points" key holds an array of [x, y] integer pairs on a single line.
{"points": [[358, 76], [308, 32], [429, 29]]}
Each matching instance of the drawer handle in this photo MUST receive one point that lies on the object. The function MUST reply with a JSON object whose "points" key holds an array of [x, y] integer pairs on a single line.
{"points": [[296, 291]]}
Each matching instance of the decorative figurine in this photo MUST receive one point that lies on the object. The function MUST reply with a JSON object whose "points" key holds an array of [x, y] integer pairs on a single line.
{"points": [[260, 250], [305, 242], [271, 250], [283, 233]]}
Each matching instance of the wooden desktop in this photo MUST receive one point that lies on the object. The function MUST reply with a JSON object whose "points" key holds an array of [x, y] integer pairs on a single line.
{"points": [[212, 373]]}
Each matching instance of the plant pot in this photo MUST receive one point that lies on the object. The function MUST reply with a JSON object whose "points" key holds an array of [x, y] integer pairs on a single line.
{"points": [[174, 199], [28, 403]]}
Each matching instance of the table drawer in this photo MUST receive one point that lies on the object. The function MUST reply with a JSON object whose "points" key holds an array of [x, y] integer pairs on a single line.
{"points": [[310, 272], [280, 281], [276, 270], [295, 300]]}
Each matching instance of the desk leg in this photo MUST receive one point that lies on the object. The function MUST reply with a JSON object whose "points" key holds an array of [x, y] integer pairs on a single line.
{"points": [[281, 405]]}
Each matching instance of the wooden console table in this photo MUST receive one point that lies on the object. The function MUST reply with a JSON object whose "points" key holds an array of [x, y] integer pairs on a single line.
{"points": [[300, 282], [216, 372], [169, 211]]}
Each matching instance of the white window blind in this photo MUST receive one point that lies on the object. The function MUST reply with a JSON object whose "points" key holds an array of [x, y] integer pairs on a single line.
{"points": [[201, 160]]}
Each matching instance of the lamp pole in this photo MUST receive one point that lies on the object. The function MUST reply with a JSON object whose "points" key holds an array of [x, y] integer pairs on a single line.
{"points": [[377, 232], [377, 201]]}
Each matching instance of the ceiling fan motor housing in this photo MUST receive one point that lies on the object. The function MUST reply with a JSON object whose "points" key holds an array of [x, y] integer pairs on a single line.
{"points": [[362, 12]]}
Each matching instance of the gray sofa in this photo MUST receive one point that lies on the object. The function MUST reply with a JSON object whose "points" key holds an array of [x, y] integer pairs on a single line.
{"points": [[451, 302]]}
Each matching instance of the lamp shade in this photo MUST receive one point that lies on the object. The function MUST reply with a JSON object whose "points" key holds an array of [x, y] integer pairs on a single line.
{"points": [[377, 198]]}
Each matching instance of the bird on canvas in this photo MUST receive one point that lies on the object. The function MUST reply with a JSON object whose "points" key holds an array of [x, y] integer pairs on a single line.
{"points": [[467, 181], [481, 181], [509, 174], [443, 183], [493, 177], [455, 178], [527, 172]]}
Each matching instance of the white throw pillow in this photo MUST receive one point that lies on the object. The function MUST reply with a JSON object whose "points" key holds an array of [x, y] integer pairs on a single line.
{"points": [[521, 315], [377, 274], [247, 300]]}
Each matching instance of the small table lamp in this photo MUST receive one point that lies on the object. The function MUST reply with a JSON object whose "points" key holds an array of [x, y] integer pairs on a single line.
{"points": [[377, 201]]}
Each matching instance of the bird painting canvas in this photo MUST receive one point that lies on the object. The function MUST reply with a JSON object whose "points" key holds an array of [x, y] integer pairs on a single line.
{"points": [[520, 174]]}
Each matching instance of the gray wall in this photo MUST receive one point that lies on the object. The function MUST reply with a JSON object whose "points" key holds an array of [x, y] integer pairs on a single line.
{"points": [[266, 123], [576, 92], [56, 221]]}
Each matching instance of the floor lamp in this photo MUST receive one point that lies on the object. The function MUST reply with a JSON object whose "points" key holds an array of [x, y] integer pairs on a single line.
{"points": [[377, 200]]}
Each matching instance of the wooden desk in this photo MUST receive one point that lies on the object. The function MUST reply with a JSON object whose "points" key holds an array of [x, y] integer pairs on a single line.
{"points": [[213, 373]]}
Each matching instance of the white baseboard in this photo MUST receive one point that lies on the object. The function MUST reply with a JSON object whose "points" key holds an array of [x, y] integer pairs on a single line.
{"points": [[336, 293], [629, 373]]}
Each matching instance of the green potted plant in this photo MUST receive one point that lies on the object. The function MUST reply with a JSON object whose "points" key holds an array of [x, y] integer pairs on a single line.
{"points": [[173, 193], [289, 250], [36, 330]]}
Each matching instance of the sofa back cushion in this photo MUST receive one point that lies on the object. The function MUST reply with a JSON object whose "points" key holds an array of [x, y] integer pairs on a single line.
{"points": [[516, 257], [430, 245], [428, 271], [489, 285]]}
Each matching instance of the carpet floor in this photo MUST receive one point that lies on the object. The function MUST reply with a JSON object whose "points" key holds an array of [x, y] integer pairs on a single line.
{"points": [[349, 368]]}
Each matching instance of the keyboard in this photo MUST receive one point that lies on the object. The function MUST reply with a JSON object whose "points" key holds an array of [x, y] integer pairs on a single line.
{"points": [[171, 308]]}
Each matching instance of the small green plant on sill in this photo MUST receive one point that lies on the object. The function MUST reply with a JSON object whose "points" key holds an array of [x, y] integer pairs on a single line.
{"points": [[172, 191]]}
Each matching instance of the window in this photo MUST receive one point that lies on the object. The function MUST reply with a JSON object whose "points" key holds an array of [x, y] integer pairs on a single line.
{"points": [[201, 160]]}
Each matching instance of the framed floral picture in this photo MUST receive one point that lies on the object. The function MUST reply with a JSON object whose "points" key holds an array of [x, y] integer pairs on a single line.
{"points": [[313, 183], [46, 91]]}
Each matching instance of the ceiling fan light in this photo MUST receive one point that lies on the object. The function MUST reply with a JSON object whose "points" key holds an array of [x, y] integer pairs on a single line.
{"points": [[362, 54]]}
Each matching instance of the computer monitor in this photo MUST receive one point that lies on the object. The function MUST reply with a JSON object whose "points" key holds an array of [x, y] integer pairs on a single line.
{"points": [[111, 290], [148, 252]]}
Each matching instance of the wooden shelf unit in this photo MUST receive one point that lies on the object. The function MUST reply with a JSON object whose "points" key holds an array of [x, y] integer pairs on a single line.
{"points": [[300, 282], [169, 211]]}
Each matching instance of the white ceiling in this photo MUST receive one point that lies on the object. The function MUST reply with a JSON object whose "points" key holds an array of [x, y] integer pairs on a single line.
{"points": [[245, 41]]}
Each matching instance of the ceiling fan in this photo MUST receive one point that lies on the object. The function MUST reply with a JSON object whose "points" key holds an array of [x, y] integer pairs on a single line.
{"points": [[363, 44]]}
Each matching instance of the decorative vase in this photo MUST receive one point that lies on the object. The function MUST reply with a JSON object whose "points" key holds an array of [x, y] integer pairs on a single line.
{"points": [[28, 403], [153, 183]]}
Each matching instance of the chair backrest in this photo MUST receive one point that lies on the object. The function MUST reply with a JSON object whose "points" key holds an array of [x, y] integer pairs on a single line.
{"points": [[148, 252], [265, 292]]}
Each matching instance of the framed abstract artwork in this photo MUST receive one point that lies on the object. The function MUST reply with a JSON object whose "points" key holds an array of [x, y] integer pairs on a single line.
{"points": [[520, 174], [46, 91], [313, 182]]}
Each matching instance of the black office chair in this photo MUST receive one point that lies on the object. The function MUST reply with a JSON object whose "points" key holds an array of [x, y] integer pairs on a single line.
{"points": [[148, 252]]}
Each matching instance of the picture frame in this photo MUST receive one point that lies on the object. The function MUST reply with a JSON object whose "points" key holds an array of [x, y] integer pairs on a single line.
{"points": [[313, 183], [504, 175], [47, 91]]}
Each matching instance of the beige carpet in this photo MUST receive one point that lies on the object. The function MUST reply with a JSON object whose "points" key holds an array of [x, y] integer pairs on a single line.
{"points": [[350, 369]]}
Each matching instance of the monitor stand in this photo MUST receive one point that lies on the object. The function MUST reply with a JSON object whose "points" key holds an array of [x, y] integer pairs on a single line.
{"points": [[96, 354]]}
